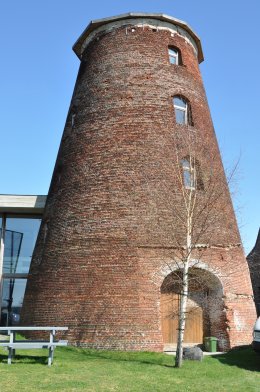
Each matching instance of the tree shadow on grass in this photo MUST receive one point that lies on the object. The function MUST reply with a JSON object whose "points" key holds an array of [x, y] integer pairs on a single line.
{"points": [[146, 358], [243, 357], [22, 359]]}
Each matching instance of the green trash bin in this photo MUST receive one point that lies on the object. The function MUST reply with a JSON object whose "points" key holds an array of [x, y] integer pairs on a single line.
{"points": [[210, 344]]}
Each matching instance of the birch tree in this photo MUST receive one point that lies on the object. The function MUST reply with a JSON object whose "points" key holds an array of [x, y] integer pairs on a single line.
{"points": [[201, 205]]}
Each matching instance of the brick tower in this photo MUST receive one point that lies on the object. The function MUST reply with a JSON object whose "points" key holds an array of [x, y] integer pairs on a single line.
{"points": [[105, 250]]}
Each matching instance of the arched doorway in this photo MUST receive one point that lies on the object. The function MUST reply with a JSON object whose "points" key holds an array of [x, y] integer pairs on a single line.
{"points": [[204, 306]]}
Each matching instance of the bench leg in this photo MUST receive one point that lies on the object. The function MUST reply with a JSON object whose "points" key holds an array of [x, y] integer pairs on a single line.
{"points": [[50, 357], [9, 360]]}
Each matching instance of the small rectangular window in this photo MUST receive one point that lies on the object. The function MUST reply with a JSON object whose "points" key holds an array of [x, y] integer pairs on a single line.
{"points": [[181, 110], [180, 115], [189, 175], [188, 179], [174, 56]]}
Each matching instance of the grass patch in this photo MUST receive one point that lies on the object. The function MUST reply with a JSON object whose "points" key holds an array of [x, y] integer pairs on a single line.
{"points": [[78, 369]]}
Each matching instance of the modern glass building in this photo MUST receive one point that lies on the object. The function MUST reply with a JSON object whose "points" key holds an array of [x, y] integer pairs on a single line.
{"points": [[20, 219]]}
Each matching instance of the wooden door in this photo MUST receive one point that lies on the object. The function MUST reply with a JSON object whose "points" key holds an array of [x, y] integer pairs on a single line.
{"points": [[169, 318]]}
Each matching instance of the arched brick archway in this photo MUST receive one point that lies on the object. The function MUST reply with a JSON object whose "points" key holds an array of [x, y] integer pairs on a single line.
{"points": [[205, 308]]}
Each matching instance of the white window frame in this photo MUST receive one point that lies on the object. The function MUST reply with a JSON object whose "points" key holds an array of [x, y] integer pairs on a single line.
{"points": [[174, 53], [185, 110]]}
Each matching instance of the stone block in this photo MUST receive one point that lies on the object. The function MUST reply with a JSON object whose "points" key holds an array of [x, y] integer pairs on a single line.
{"points": [[193, 353]]}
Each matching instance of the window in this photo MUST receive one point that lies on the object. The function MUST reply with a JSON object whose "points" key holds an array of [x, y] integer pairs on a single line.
{"points": [[189, 173], [174, 56], [73, 116], [182, 111], [18, 239]]}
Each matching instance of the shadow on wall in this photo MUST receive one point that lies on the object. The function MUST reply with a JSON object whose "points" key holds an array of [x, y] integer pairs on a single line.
{"points": [[243, 357]]}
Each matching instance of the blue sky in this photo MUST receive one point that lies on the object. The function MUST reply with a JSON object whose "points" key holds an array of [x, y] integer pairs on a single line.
{"points": [[38, 71]]}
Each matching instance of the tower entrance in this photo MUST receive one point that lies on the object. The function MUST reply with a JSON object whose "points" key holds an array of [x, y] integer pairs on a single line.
{"points": [[204, 306], [169, 313]]}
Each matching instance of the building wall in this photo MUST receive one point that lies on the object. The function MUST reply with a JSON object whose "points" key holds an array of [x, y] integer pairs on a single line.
{"points": [[253, 260], [108, 227]]}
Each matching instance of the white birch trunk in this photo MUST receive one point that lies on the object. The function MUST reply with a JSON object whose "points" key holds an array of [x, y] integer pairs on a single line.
{"points": [[184, 297], [182, 316]]}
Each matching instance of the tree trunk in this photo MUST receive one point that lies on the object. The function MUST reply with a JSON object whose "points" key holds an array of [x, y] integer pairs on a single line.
{"points": [[182, 315], [185, 288]]}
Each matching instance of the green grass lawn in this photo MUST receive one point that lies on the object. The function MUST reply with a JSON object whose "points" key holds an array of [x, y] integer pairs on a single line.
{"points": [[77, 369]]}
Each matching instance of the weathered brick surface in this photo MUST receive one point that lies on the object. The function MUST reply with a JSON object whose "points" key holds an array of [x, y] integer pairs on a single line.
{"points": [[107, 230]]}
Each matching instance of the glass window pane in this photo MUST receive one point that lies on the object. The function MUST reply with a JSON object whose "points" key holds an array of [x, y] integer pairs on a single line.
{"points": [[173, 60], [12, 300], [19, 242], [13, 241], [178, 101], [173, 56], [187, 178], [185, 163], [173, 52], [180, 116]]}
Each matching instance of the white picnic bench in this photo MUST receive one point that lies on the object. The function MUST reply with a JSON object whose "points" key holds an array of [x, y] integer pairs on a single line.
{"points": [[12, 344]]}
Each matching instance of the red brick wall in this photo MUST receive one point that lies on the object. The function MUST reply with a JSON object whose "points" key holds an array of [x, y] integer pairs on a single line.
{"points": [[108, 226]]}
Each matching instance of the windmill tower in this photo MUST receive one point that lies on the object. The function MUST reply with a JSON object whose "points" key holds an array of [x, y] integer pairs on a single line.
{"points": [[105, 247]]}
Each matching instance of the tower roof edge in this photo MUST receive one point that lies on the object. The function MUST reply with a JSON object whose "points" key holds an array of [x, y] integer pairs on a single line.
{"points": [[94, 24]]}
